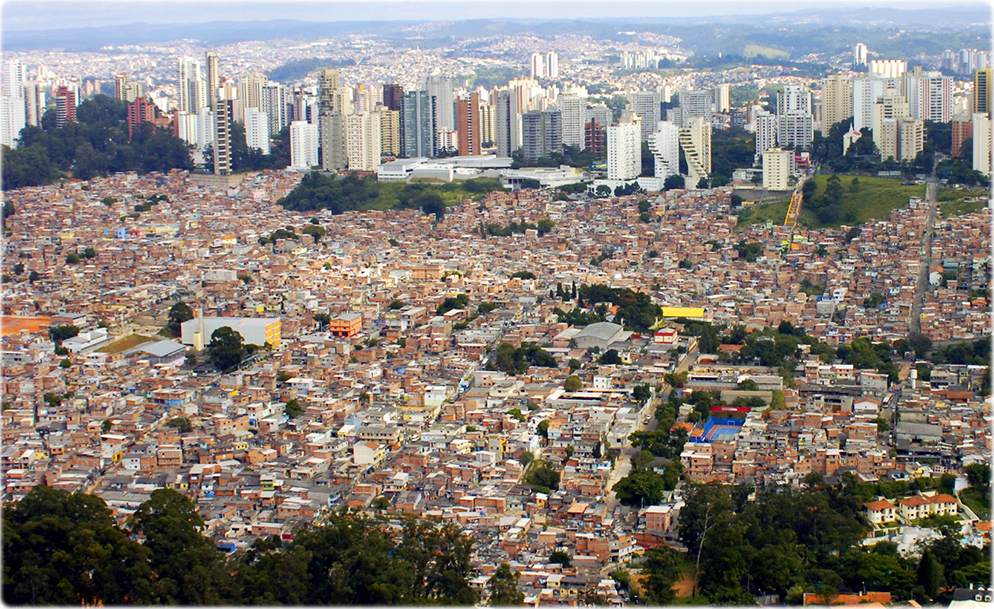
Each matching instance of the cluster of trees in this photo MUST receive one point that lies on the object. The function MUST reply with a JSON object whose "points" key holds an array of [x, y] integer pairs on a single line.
{"points": [[227, 348], [730, 149], [65, 549], [543, 227], [178, 313], [790, 540], [451, 303], [98, 144], [573, 156], [636, 311], [828, 207], [543, 477], [976, 353], [515, 361]]}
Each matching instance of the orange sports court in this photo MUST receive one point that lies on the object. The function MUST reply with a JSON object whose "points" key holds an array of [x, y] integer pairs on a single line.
{"points": [[10, 324]]}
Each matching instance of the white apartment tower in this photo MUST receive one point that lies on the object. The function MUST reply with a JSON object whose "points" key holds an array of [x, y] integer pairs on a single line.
{"points": [[624, 148], [859, 56], [303, 145], [695, 139], [665, 146], [647, 105], [930, 97], [537, 66], [572, 109], [362, 135], [766, 133], [257, 130], [777, 166], [552, 64], [722, 102]]}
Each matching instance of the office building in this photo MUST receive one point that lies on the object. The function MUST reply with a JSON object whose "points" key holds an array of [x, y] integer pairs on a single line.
{"points": [[362, 134], [982, 90], [65, 106], [647, 105], [469, 128], [417, 133], [257, 130], [836, 101], [572, 109], [665, 146], [695, 139], [777, 168], [222, 136], [334, 155], [303, 145], [624, 148], [393, 96], [541, 134]]}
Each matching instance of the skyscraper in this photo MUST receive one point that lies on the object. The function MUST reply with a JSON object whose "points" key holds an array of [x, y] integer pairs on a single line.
{"points": [[695, 139], [389, 131], [328, 83], [213, 76], [507, 123], [541, 134], [393, 96], [417, 133], [572, 109], [334, 154], [665, 146], [222, 136], [65, 106], [836, 101], [930, 96], [362, 133], [257, 130], [440, 87], [722, 101], [468, 111], [859, 54], [303, 145], [982, 91], [647, 105], [766, 133], [191, 87], [552, 64], [624, 148]]}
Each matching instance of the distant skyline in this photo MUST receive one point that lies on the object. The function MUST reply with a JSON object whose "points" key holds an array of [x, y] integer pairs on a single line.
{"points": [[20, 15]]}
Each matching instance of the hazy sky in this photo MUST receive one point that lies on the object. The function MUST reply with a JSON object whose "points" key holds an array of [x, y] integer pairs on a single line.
{"points": [[21, 14]]}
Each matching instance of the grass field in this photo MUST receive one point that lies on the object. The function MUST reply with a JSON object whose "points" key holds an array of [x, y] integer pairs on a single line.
{"points": [[125, 343], [874, 198], [977, 501], [452, 193], [752, 50], [952, 201]]}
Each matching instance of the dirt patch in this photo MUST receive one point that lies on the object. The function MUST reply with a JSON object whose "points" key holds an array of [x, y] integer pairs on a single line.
{"points": [[10, 324]]}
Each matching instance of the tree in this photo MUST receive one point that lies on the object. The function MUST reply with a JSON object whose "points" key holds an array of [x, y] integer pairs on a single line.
{"points": [[673, 181], [572, 383], [61, 333], [292, 408], [603, 191], [979, 476], [178, 313], [662, 565], [610, 357], [929, 574], [503, 587], [560, 557], [920, 344], [542, 475], [640, 488], [226, 348], [182, 424], [543, 428], [526, 457]]}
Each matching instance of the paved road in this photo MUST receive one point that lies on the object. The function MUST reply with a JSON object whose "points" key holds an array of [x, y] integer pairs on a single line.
{"points": [[915, 323]]}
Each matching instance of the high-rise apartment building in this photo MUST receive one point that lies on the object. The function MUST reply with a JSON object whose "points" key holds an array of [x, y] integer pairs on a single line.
{"points": [[541, 134], [836, 101], [440, 87], [982, 92], [595, 137], [274, 104], [962, 131], [191, 86], [507, 122], [647, 105], [930, 96], [417, 133], [695, 104], [334, 153], [695, 139], [795, 130], [13, 103], [222, 136], [537, 66], [65, 106], [257, 130], [859, 56], [469, 128], [213, 75], [766, 133], [624, 148], [488, 133], [888, 68], [982, 144], [34, 103], [793, 98], [362, 133], [303, 145], [328, 84], [665, 146], [389, 131], [572, 109], [139, 111], [777, 165], [722, 98], [250, 89], [552, 64]]}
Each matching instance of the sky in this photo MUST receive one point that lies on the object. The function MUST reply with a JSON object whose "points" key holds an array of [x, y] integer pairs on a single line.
{"points": [[54, 14]]}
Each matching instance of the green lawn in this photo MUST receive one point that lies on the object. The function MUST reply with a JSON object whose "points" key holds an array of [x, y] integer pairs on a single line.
{"points": [[977, 501], [123, 344], [453, 193], [752, 50], [775, 212], [875, 197], [952, 201]]}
